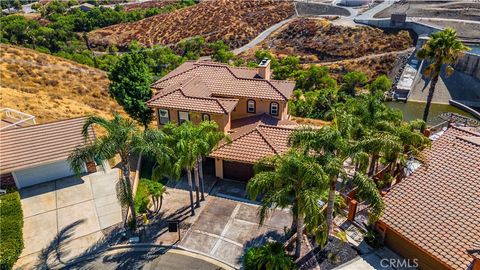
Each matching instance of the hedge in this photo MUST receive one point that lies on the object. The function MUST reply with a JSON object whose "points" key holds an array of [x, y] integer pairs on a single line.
{"points": [[11, 224]]}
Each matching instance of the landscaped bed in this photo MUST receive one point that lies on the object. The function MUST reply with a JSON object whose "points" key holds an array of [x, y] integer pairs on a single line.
{"points": [[11, 225]]}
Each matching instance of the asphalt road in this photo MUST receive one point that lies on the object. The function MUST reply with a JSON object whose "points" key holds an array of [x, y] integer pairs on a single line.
{"points": [[171, 260]]}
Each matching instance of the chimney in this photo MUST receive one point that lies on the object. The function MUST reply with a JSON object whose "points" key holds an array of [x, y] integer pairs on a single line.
{"points": [[264, 69]]}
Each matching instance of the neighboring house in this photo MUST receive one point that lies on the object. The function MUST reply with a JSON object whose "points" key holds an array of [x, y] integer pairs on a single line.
{"points": [[245, 103], [85, 7], [433, 215], [38, 153]]}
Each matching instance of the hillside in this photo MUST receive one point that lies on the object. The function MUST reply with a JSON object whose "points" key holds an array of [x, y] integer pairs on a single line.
{"points": [[235, 22], [321, 41], [51, 88], [343, 49]]}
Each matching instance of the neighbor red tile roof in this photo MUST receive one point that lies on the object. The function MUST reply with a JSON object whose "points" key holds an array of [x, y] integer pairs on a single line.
{"points": [[226, 81], [437, 207], [253, 142], [35, 145], [192, 95]]}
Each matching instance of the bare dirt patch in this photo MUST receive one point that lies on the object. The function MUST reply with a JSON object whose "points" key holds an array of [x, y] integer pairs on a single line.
{"points": [[52, 88], [236, 22], [457, 9]]}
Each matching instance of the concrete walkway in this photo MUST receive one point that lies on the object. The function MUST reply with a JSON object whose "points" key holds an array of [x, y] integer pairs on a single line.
{"points": [[67, 216]]}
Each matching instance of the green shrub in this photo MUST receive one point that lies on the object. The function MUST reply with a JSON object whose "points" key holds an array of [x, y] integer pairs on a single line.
{"points": [[11, 224], [142, 199], [269, 256]]}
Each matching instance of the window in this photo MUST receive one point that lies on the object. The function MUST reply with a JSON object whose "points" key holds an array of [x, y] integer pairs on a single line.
{"points": [[251, 106], [164, 116], [182, 117], [206, 117], [274, 108]]}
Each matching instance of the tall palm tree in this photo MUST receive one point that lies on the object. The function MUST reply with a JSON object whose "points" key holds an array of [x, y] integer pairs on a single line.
{"points": [[183, 142], [118, 140], [270, 256], [208, 136], [443, 48], [292, 180], [331, 146]]}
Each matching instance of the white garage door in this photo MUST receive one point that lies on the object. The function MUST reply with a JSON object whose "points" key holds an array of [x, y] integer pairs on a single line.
{"points": [[41, 174]]}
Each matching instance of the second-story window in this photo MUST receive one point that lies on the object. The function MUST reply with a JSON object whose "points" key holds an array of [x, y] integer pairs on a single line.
{"points": [[274, 108], [251, 106], [206, 117], [164, 116], [183, 117]]}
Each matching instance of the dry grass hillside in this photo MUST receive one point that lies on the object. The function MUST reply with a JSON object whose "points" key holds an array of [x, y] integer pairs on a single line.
{"points": [[235, 22], [51, 88], [319, 41]]}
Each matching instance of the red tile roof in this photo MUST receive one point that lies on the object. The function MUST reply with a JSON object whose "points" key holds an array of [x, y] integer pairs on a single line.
{"points": [[192, 95], [35, 145], [251, 145], [225, 81], [437, 207]]}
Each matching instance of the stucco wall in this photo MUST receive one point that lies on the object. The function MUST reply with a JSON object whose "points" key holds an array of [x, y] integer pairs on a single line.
{"points": [[223, 120], [262, 106], [219, 168]]}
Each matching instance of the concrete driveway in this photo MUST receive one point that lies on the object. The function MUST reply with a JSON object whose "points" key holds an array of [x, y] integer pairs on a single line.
{"points": [[68, 214], [225, 228]]}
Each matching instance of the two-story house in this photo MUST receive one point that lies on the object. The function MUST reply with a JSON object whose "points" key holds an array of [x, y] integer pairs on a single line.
{"points": [[245, 102]]}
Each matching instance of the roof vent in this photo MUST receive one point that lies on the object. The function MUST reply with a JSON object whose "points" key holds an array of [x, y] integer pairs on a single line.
{"points": [[264, 69]]}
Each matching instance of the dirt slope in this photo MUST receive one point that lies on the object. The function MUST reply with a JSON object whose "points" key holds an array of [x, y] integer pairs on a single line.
{"points": [[235, 22], [51, 88]]}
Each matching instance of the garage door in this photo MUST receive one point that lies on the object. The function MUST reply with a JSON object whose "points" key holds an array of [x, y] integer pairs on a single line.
{"points": [[237, 171], [41, 174]]}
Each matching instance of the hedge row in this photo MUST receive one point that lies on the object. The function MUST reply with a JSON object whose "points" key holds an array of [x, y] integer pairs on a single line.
{"points": [[11, 224]]}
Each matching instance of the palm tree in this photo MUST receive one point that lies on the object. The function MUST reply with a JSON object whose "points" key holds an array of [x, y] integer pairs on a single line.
{"points": [[207, 139], [118, 140], [331, 146], [292, 180], [443, 48], [183, 142], [156, 190], [270, 256]]}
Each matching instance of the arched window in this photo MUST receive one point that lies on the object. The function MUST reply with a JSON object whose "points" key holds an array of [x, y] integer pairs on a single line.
{"points": [[251, 106], [274, 108], [206, 117]]}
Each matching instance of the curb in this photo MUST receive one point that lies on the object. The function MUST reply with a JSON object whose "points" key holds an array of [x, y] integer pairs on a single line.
{"points": [[146, 247]]}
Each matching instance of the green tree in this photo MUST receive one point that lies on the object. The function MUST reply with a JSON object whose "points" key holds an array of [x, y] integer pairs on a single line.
{"points": [[183, 142], [292, 180], [207, 138], [192, 47], [155, 190], [118, 140], [381, 83], [443, 48], [287, 68], [130, 86], [331, 147], [352, 80], [221, 52], [270, 256]]}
